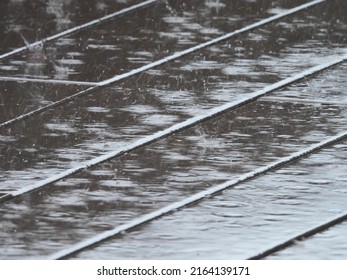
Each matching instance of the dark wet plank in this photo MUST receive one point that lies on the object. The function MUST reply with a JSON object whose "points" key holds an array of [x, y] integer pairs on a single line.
{"points": [[134, 40], [17, 98], [35, 20], [254, 58], [109, 119], [329, 245], [168, 171], [43, 222], [318, 89], [247, 219]]}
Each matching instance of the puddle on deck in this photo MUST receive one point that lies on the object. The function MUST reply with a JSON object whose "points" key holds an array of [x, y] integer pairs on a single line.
{"points": [[328, 245], [248, 218], [23, 21], [252, 215]]}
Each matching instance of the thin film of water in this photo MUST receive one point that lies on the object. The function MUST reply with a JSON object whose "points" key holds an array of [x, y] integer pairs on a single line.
{"points": [[251, 216]]}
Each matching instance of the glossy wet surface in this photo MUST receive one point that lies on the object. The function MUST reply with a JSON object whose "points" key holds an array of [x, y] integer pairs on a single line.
{"points": [[154, 32], [18, 98], [59, 139], [109, 118], [173, 168], [248, 218], [329, 245], [28, 21], [251, 216]]}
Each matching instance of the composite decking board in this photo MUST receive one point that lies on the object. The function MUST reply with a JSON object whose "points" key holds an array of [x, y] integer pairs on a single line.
{"points": [[209, 79], [61, 132], [153, 33], [195, 159], [328, 245], [153, 177], [143, 68], [19, 97], [333, 222], [303, 194], [14, 37]]}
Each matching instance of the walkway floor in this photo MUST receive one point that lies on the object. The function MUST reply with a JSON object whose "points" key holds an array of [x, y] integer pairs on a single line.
{"points": [[173, 129]]}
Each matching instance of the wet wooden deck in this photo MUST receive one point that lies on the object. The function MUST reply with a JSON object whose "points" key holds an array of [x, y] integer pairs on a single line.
{"points": [[152, 129]]}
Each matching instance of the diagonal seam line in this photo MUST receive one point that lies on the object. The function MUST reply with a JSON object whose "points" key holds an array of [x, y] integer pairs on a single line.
{"points": [[144, 219], [78, 28], [211, 42], [47, 107], [173, 129], [300, 237], [160, 62], [303, 101]]}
